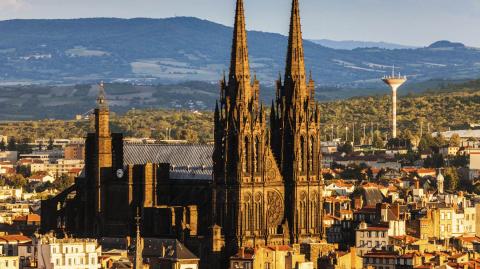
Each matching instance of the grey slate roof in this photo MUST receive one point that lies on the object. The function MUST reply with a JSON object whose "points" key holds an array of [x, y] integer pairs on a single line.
{"points": [[372, 196], [170, 249], [186, 161], [113, 243]]}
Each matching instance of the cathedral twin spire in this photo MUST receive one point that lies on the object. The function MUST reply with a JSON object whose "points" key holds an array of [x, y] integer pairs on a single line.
{"points": [[295, 68], [239, 77], [295, 75]]}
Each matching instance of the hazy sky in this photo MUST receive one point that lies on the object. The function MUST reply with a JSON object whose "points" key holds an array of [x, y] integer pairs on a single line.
{"points": [[410, 22]]}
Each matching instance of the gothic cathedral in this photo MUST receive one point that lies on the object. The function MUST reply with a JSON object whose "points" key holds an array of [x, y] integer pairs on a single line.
{"points": [[259, 184], [268, 185]]}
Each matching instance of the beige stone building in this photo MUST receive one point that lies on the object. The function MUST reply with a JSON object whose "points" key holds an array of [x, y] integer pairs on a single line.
{"points": [[273, 257], [9, 262], [370, 237]]}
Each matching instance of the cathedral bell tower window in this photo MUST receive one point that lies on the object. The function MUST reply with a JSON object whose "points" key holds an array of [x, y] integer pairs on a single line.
{"points": [[301, 155], [257, 154], [311, 154], [246, 155]]}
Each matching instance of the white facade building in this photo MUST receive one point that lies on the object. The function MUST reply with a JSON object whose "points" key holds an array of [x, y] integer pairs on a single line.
{"points": [[68, 253]]}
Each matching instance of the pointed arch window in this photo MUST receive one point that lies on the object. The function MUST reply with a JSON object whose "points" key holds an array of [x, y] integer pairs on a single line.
{"points": [[247, 214], [303, 214], [246, 154], [257, 154], [301, 155], [311, 153]]}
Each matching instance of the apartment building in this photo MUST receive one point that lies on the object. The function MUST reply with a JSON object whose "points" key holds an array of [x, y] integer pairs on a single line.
{"points": [[68, 253]]}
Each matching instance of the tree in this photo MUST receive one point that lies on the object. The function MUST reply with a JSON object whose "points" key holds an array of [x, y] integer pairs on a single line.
{"points": [[63, 182], [12, 144], [377, 140], [189, 135], [328, 176], [436, 160], [23, 170], [439, 140], [455, 140], [452, 179], [23, 147], [50, 144], [45, 186], [459, 161], [346, 148], [17, 181], [3, 147]]}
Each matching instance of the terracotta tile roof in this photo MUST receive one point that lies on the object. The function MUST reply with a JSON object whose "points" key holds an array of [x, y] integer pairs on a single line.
{"points": [[15, 238], [468, 239], [410, 255], [280, 248], [374, 228], [343, 184], [337, 199], [426, 171], [407, 238], [383, 254], [28, 218], [370, 185], [409, 170]]}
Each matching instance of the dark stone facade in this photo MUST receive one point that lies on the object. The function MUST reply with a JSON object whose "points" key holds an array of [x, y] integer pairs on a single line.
{"points": [[252, 187]]}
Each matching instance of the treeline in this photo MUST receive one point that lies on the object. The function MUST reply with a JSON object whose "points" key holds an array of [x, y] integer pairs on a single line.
{"points": [[348, 119]]}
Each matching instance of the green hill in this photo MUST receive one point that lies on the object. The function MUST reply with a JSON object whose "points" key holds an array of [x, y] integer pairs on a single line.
{"points": [[451, 106]]}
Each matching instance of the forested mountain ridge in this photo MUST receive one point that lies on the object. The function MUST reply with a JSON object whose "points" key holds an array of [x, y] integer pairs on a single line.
{"points": [[149, 51]]}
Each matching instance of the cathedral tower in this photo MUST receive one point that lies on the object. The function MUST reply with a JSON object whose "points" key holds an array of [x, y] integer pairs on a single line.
{"points": [[295, 120], [103, 152], [249, 203]]}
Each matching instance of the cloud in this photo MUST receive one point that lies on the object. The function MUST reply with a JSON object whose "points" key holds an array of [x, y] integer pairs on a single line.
{"points": [[12, 5]]}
